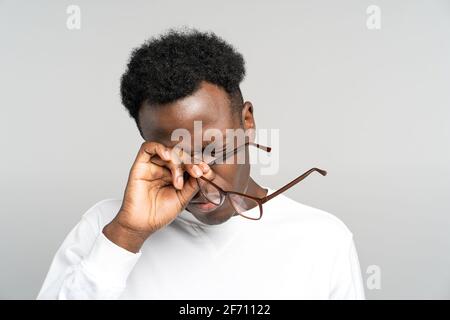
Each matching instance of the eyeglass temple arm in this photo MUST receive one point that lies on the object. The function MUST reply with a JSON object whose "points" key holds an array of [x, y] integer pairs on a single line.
{"points": [[229, 153], [292, 183]]}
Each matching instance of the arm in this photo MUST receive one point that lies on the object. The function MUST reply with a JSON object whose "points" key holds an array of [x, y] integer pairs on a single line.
{"points": [[95, 261], [346, 281], [88, 265]]}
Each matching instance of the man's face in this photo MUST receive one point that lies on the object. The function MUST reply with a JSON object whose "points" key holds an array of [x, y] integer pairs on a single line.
{"points": [[211, 105]]}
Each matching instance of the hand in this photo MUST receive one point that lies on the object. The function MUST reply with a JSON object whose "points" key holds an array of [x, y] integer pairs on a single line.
{"points": [[155, 194]]}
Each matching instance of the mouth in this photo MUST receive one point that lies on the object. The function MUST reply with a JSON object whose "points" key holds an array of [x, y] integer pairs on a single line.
{"points": [[203, 206]]}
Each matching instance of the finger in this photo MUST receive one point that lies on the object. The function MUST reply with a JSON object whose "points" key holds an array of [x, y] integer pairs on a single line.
{"points": [[164, 178], [175, 168], [149, 149], [195, 167], [143, 168], [208, 173], [180, 162], [195, 170], [179, 155], [205, 167], [190, 188], [150, 172]]}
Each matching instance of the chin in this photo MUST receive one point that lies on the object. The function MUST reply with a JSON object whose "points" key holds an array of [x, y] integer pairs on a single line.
{"points": [[210, 214]]}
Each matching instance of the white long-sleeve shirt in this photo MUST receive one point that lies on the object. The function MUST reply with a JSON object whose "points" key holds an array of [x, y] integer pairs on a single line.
{"points": [[294, 252]]}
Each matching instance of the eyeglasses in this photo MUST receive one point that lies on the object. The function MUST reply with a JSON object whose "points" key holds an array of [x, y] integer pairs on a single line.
{"points": [[243, 203]]}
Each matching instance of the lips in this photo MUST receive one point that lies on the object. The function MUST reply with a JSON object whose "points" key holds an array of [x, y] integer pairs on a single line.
{"points": [[200, 203], [203, 206]]}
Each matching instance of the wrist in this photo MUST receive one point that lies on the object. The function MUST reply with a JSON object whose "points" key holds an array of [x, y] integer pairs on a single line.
{"points": [[125, 237]]}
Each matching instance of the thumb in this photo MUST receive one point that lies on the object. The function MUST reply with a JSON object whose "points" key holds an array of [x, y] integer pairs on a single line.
{"points": [[190, 188]]}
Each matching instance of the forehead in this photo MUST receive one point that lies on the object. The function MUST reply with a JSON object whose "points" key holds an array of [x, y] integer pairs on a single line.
{"points": [[209, 104]]}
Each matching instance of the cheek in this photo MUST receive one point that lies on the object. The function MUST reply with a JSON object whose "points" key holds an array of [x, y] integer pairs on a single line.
{"points": [[236, 176]]}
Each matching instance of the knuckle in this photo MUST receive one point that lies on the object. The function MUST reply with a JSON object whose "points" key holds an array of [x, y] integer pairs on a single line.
{"points": [[145, 144]]}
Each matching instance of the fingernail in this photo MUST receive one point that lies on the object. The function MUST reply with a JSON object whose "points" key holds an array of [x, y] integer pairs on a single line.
{"points": [[180, 181], [167, 154], [205, 167], [198, 171]]}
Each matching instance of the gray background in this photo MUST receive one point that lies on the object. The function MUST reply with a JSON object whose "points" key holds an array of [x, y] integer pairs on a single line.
{"points": [[371, 107]]}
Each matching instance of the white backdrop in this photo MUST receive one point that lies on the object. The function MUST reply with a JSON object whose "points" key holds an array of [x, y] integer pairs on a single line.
{"points": [[370, 106]]}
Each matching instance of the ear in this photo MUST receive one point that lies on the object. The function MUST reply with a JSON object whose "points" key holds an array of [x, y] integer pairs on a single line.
{"points": [[248, 120]]}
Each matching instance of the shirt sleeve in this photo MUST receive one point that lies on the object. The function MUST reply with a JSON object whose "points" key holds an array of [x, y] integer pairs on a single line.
{"points": [[346, 281], [88, 266]]}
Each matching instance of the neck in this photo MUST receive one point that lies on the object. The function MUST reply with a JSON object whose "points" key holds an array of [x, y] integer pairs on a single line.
{"points": [[255, 189]]}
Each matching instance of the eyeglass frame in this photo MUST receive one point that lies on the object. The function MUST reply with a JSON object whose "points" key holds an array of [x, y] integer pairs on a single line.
{"points": [[260, 201]]}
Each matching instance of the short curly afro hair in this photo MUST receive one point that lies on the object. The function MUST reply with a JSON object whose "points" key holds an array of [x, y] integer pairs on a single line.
{"points": [[173, 65]]}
